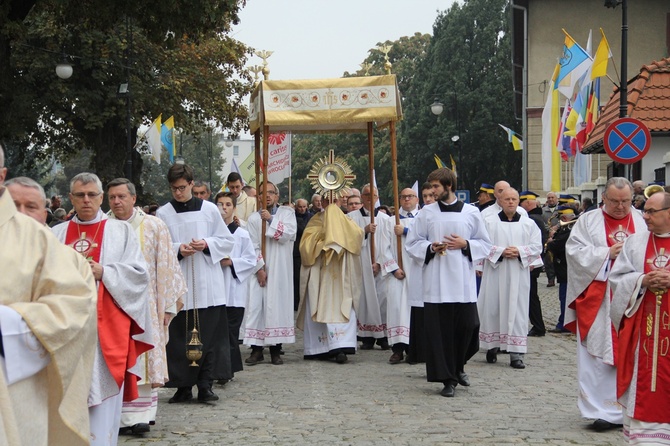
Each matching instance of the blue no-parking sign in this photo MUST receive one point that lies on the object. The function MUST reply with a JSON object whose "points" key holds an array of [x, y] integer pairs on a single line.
{"points": [[463, 195], [627, 140]]}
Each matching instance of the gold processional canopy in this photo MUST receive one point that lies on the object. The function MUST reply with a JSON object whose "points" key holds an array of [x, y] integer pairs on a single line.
{"points": [[325, 105]]}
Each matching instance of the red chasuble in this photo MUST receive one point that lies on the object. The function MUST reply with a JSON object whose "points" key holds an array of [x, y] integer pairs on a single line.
{"points": [[651, 405], [587, 304], [115, 327]]}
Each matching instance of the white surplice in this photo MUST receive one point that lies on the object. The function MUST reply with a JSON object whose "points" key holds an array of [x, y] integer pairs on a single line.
{"points": [[431, 226], [269, 313], [207, 224], [503, 296], [244, 262]]}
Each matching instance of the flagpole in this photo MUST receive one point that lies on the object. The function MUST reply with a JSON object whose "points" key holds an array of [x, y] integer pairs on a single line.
{"points": [[264, 192], [290, 195], [371, 166], [396, 201]]}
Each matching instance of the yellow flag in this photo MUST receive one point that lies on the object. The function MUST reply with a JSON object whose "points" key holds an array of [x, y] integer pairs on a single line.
{"points": [[453, 165], [603, 54], [439, 162]]}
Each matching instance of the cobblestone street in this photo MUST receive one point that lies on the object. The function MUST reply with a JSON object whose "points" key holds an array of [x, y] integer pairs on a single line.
{"points": [[369, 402]]}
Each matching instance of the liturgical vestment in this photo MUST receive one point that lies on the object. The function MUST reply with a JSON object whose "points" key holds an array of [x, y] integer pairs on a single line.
{"points": [[47, 292]]}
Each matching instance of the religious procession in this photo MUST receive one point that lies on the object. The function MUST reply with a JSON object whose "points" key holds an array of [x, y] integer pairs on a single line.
{"points": [[332, 285]]}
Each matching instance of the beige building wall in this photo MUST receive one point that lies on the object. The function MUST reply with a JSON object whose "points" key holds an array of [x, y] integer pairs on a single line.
{"points": [[647, 36]]}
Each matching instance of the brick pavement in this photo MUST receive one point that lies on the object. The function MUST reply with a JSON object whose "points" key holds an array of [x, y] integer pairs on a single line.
{"points": [[369, 402]]}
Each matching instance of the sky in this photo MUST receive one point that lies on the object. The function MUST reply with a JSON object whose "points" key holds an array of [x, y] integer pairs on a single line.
{"points": [[319, 39]]}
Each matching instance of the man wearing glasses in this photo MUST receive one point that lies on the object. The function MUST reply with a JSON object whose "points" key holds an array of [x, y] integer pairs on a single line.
{"points": [[595, 243], [201, 240], [640, 281], [124, 323]]}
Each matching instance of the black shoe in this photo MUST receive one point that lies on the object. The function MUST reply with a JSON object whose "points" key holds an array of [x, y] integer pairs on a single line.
{"points": [[383, 344], [205, 395], [140, 428], [223, 382], [536, 333], [517, 364], [559, 330], [449, 391], [601, 425], [463, 379], [492, 355], [341, 358], [367, 346], [255, 357], [396, 358], [551, 283], [275, 359], [182, 395]]}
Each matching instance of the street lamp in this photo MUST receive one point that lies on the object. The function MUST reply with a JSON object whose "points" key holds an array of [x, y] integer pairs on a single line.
{"points": [[437, 107], [64, 68]]}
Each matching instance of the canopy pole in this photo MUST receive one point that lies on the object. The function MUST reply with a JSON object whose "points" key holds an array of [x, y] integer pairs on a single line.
{"points": [[396, 201], [371, 167], [264, 192], [290, 194]]}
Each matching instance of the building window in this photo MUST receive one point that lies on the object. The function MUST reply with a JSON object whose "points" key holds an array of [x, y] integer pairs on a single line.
{"points": [[236, 150]]}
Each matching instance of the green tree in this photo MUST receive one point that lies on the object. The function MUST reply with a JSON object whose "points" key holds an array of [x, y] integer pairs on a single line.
{"points": [[467, 67], [176, 56]]}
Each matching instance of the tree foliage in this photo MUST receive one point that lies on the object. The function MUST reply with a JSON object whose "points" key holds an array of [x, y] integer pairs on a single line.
{"points": [[467, 67], [176, 56]]}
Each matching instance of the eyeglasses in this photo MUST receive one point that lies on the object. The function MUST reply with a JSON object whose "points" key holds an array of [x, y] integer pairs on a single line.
{"points": [[653, 211], [271, 192], [81, 195], [620, 203], [178, 188], [407, 197]]}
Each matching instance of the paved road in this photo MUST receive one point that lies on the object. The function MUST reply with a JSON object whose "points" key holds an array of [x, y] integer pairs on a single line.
{"points": [[369, 402]]}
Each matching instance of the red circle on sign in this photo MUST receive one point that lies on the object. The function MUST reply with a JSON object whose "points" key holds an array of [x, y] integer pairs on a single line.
{"points": [[627, 140]]}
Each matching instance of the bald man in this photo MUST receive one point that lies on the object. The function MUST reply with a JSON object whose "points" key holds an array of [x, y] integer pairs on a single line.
{"points": [[497, 207]]}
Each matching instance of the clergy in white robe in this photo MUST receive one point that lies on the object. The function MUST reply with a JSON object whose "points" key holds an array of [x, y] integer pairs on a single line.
{"points": [[48, 328], [201, 240], [372, 310], [244, 205], [503, 297], [398, 289], [124, 323], [330, 285], [237, 269], [166, 288], [269, 321], [640, 281], [448, 237], [595, 242]]}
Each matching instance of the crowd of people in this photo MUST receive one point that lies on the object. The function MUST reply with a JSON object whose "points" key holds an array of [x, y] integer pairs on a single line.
{"points": [[173, 291]]}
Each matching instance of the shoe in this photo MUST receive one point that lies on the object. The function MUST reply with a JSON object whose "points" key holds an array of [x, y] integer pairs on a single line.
{"points": [[275, 359], [256, 357], [551, 283], [396, 358], [383, 344], [140, 428], [182, 395], [449, 391], [206, 394], [463, 379], [341, 358], [223, 382], [601, 425], [559, 330], [492, 355], [517, 364], [536, 333], [367, 346]]}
